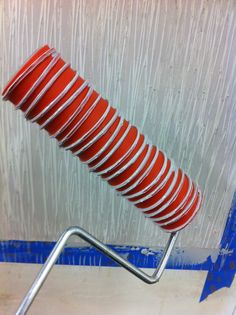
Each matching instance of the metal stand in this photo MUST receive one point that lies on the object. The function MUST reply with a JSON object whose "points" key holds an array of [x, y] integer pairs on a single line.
{"points": [[58, 248]]}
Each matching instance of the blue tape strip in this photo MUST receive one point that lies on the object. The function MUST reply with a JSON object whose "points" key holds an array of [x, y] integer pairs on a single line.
{"points": [[37, 252], [222, 272]]}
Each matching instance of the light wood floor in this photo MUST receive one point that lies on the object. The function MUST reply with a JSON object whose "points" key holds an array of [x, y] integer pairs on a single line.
{"points": [[100, 291]]}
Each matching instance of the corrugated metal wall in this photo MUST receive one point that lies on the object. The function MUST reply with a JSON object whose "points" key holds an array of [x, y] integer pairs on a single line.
{"points": [[168, 66]]}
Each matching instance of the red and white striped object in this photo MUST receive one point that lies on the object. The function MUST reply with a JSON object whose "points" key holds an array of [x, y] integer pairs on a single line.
{"points": [[52, 94]]}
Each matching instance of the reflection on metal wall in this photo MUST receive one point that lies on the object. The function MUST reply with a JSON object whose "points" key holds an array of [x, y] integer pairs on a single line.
{"points": [[169, 66]]}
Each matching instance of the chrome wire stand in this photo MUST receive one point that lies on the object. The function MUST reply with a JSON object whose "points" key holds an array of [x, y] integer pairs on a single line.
{"points": [[59, 246]]}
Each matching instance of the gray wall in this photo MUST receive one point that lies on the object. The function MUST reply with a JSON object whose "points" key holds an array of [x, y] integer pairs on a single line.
{"points": [[168, 66]]}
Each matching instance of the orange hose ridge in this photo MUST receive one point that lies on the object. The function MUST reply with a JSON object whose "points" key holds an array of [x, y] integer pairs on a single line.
{"points": [[52, 94]]}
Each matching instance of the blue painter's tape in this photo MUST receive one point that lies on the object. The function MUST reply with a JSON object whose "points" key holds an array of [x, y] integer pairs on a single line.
{"points": [[37, 252], [222, 272]]}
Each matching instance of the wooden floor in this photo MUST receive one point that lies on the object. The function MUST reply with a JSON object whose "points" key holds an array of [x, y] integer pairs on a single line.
{"points": [[100, 291]]}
